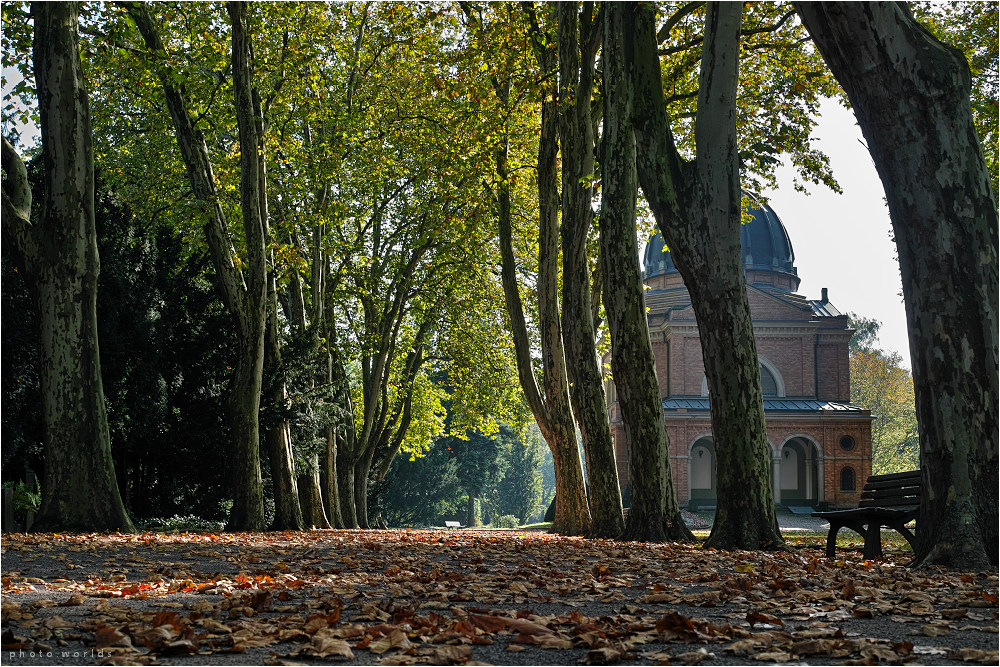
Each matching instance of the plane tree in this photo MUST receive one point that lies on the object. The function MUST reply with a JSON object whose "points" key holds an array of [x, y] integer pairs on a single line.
{"points": [[694, 153], [911, 95], [58, 246]]}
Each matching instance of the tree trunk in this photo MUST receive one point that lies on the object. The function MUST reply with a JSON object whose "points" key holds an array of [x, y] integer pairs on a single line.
{"points": [[345, 488], [910, 94], [472, 519], [329, 486], [311, 498], [288, 512], [243, 405], [244, 299], [552, 409], [576, 81], [361, 470], [654, 513], [745, 503], [248, 495], [697, 208], [79, 491]]}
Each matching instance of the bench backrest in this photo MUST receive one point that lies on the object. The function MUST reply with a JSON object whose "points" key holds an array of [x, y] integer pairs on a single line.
{"points": [[901, 489]]}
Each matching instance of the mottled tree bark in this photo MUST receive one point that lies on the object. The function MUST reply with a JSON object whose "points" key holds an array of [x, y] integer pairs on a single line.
{"points": [[345, 487], [329, 485], [311, 497], [654, 513], [910, 94], [361, 470], [576, 131], [697, 208], [248, 493], [288, 514], [552, 410], [79, 489]]}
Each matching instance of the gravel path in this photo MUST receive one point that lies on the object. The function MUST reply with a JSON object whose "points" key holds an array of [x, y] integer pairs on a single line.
{"points": [[59, 594]]}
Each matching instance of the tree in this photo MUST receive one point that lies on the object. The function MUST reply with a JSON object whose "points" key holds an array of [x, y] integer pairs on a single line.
{"points": [[547, 396], [880, 384], [243, 292], [422, 490], [578, 38], [480, 465], [59, 252], [697, 205], [654, 513], [972, 27], [519, 492], [910, 93]]}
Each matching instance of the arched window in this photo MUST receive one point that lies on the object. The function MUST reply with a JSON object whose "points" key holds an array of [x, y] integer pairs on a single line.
{"points": [[768, 385], [847, 481]]}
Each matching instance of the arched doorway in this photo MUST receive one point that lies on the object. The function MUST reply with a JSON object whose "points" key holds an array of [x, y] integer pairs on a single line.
{"points": [[701, 473], [799, 473]]}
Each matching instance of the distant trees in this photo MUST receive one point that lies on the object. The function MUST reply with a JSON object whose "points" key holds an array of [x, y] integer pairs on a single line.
{"points": [[880, 383], [470, 480], [519, 491]]}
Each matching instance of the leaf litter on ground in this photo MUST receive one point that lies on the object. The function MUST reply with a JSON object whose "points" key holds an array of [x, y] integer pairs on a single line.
{"points": [[470, 597]]}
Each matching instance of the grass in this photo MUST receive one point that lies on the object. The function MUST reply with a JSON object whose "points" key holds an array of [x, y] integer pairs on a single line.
{"points": [[892, 542], [544, 526]]}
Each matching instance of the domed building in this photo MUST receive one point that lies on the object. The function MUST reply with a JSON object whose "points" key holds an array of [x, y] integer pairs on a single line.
{"points": [[820, 443]]}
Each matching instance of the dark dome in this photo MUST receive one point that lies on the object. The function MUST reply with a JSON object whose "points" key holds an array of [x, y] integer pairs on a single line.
{"points": [[766, 246]]}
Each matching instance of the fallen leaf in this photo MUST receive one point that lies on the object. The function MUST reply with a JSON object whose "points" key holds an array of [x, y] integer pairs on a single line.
{"points": [[758, 617], [397, 639], [772, 656], [604, 655], [693, 657], [109, 636], [935, 630]]}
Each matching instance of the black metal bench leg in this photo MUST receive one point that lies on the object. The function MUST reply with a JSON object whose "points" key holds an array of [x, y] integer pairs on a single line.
{"points": [[873, 541], [831, 540]]}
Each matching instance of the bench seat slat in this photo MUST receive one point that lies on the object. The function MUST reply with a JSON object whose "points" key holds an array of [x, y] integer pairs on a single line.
{"points": [[888, 486], [895, 476]]}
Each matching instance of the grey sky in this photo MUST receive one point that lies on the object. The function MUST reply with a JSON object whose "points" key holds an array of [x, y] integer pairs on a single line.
{"points": [[843, 241]]}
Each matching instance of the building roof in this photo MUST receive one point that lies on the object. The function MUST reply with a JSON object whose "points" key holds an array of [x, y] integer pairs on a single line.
{"points": [[765, 244], [771, 405]]}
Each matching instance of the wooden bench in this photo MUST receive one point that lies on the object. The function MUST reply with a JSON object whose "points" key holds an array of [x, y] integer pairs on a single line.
{"points": [[887, 500], [452, 524]]}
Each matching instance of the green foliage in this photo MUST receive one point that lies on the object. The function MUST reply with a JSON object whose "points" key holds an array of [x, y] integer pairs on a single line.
{"points": [[881, 384], [422, 491], [179, 524], [21, 418], [508, 521], [27, 498], [865, 332], [782, 79], [519, 491], [480, 465]]}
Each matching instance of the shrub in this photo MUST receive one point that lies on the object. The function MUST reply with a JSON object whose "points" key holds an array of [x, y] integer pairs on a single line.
{"points": [[26, 498], [508, 521], [178, 523]]}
